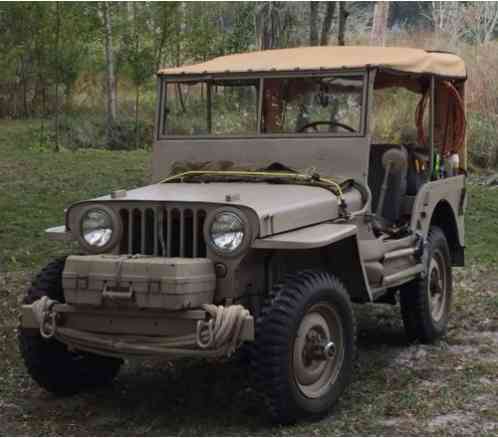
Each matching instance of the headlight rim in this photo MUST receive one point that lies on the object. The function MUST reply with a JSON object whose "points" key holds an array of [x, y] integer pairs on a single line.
{"points": [[246, 240], [116, 224]]}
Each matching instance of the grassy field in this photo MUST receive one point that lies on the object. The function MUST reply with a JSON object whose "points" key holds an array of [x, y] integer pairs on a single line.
{"points": [[446, 389]]}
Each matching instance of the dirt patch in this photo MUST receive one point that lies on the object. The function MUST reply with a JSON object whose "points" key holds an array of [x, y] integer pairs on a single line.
{"points": [[482, 344], [412, 357], [12, 287], [459, 423]]}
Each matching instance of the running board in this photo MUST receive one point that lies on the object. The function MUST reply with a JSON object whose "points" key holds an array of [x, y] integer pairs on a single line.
{"points": [[398, 277], [400, 253]]}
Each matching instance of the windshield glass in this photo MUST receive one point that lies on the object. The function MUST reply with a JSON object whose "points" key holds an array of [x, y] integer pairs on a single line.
{"points": [[313, 105], [226, 107], [302, 106]]}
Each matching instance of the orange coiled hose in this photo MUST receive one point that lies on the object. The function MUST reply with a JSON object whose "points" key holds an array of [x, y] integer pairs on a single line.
{"points": [[456, 116]]}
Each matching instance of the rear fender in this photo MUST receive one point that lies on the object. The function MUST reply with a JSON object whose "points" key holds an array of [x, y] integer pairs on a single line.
{"points": [[442, 203]]}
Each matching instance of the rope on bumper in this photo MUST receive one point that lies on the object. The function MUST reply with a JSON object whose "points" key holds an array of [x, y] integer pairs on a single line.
{"points": [[222, 331], [220, 335]]}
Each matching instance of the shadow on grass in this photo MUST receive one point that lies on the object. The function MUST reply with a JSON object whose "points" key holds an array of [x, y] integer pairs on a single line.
{"points": [[199, 397], [380, 326], [158, 398]]}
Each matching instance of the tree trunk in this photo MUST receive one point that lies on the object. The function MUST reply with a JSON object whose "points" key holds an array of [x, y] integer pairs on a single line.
{"points": [[57, 68], [160, 48], [327, 23], [110, 78], [314, 23], [137, 106], [179, 33], [137, 85], [491, 28], [379, 27], [268, 26], [343, 16]]}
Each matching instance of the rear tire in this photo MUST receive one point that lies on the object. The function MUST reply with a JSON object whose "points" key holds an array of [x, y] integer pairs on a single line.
{"points": [[425, 302], [48, 361], [297, 373]]}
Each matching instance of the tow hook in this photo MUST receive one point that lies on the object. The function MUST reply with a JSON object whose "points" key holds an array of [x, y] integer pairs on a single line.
{"points": [[46, 316]]}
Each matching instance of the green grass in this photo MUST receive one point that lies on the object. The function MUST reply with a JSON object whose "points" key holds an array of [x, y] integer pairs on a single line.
{"points": [[36, 185], [447, 389], [481, 225]]}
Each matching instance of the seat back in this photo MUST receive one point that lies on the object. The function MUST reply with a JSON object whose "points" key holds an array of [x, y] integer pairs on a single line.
{"points": [[415, 178], [396, 188]]}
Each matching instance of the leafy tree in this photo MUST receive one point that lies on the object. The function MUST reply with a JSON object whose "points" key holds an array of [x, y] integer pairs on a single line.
{"points": [[139, 53], [241, 34]]}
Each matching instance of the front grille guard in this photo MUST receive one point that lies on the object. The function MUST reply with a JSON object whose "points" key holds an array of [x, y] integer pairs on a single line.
{"points": [[169, 231]]}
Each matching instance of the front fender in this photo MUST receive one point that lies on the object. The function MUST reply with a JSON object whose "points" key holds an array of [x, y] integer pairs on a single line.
{"points": [[339, 249], [316, 236]]}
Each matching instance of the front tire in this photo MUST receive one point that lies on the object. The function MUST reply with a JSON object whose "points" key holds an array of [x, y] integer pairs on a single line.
{"points": [[305, 345], [48, 361], [425, 302]]}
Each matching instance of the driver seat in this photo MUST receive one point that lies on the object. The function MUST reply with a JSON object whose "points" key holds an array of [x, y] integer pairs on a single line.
{"points": [[396, 182]]}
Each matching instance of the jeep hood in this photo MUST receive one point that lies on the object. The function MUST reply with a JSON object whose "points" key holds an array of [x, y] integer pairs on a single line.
{"points": [[279, 207]]}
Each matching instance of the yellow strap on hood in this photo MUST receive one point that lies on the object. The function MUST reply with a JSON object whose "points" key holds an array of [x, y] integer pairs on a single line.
{"points": [[297, 176]]}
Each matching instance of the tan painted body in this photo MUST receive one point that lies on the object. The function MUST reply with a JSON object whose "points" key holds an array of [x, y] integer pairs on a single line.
{"points": [[290, 227]]}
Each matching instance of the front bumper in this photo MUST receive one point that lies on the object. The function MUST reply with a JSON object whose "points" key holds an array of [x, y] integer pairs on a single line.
{"points": [[131, 333], [121, 305], [59, 233]]}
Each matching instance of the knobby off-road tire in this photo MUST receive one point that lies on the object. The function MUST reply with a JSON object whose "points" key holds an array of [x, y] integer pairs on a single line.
{"points": [[49, 362], [295, 384], [425, 302]]}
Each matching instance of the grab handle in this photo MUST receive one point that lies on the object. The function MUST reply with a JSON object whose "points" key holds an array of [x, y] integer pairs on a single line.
{"points": [[125, 295]]}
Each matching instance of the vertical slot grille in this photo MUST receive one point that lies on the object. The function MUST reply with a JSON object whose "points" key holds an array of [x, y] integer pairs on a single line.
{"points": [[163, 231]]}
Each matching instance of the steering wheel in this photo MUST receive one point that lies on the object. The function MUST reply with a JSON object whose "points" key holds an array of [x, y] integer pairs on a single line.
{"points": [[314, 125]]}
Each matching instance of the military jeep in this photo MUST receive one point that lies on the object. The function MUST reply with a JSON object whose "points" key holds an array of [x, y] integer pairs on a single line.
{"points": [[273, 209]]}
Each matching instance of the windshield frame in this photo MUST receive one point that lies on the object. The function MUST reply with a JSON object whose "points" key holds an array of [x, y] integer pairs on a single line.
{"points": [[163, 81]]}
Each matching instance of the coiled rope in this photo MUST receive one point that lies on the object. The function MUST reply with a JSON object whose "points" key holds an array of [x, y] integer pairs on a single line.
{"points": [[224, 328], [456, 115]]}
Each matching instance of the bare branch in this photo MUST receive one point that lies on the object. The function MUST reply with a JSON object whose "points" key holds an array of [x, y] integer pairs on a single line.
{"points": [[327, 23]]}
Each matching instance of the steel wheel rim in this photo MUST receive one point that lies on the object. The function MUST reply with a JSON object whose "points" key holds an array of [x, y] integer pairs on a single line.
{"points": [[437, 286], [315, 376]]}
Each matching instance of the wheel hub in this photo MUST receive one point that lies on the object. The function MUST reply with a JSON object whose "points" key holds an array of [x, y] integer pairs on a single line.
{"points": [[318, 350], [437, 287], [329, 350]]}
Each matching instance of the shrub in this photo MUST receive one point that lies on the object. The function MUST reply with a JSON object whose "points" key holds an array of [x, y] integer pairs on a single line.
{"points": [[85, 130], [124, 134], [81, 131], [482, 139]]}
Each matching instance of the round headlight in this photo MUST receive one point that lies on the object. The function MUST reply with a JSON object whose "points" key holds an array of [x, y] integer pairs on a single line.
{"points": [[97, 228], [227, 232]]}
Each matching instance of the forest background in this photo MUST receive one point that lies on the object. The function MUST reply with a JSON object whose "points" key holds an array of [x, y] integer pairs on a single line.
{"points": [[86, 70]]}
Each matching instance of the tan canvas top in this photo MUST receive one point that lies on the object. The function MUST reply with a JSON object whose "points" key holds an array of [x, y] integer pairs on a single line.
{"points": [[330, 57]]}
